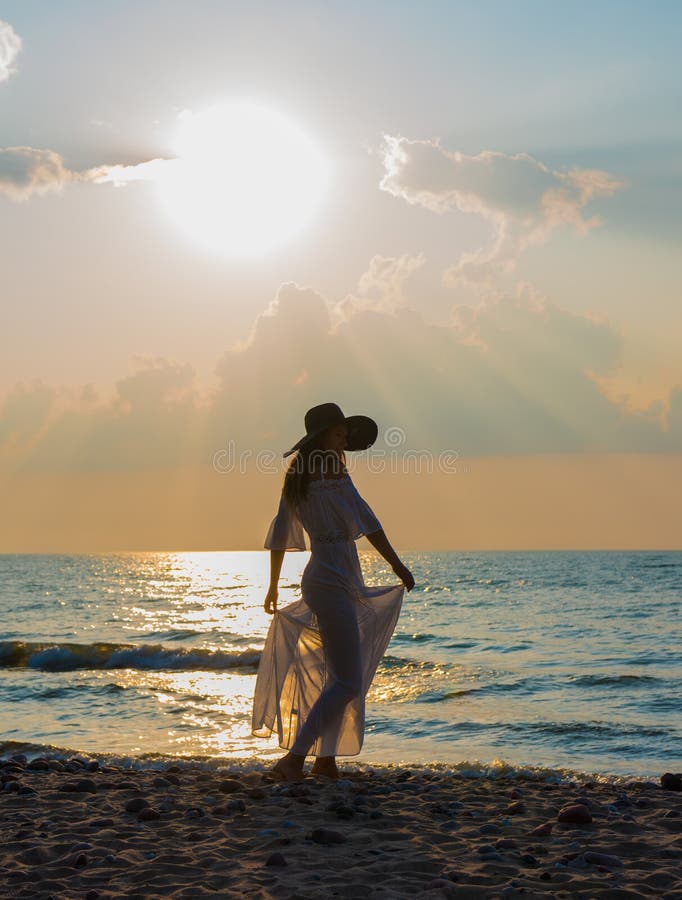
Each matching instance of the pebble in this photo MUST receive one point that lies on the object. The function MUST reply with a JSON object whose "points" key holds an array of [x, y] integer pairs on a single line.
{"points": [[296, 790], [82, 786], [236, 805], [135, 805], [543, 830], [515, 809], [229, 786], [148, 814], [276, 859], [160, 781], [194, 812], [670, 782], [490, 828], [575, 814], [439, 883], [327, 836], [602, 859]]}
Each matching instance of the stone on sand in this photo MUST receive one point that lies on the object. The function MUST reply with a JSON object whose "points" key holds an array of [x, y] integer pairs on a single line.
{"points": [[574, 814]]}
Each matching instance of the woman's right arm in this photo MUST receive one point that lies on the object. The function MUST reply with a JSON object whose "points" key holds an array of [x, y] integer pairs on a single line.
{"points": [[276, 560], [379, 540]]}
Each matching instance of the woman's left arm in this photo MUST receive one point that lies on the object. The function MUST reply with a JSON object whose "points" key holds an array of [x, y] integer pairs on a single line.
{"points": [[381, 543]]}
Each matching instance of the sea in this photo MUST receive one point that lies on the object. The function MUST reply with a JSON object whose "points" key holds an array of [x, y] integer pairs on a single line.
{"points": [[554, 663]]}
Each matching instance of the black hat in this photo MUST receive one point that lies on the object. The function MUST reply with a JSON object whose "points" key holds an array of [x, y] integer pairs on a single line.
{"points": [[362, 431]]}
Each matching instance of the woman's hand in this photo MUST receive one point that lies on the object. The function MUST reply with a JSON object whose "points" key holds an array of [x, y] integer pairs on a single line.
{"points": [[404, 575], [270, 604]]}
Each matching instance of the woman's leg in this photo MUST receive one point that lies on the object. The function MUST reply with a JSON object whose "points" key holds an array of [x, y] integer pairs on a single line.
{"points": [[337, 621], [325, 765]]}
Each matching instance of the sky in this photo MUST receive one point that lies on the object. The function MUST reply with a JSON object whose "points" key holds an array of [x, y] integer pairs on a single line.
{"points": [[461, 218]]}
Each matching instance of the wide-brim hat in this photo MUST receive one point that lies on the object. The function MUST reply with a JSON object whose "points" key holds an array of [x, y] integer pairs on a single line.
{"points": [[362, 431]]}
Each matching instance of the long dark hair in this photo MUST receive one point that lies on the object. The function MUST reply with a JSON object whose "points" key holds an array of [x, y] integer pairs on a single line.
{"points": [[309, 458]]}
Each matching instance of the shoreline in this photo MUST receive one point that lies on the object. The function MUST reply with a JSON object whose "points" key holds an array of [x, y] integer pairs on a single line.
{"points": [[82, 826], [469, 768]]}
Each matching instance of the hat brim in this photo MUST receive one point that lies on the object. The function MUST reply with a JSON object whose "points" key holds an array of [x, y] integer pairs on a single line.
{"points": [[362, 433]]}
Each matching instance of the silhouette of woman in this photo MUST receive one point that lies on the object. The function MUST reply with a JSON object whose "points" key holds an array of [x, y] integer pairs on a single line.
{"points": [[321, 652]]}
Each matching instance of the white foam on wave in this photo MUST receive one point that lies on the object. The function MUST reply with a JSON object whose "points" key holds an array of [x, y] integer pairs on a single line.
{"points": [[497, 770]]}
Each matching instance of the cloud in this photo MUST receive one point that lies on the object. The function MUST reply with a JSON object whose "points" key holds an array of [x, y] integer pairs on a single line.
{"points": [[515, 375], [10, 45], [381, 287], [118, 175], [523, 200], [26, 172], [152, 422]]}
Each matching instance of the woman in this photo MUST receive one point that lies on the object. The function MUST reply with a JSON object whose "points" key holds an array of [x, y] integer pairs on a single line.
{"points": [[321, 652]]}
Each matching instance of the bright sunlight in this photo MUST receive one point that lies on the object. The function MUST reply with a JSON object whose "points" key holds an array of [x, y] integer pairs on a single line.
{"points": [[246, 179]]}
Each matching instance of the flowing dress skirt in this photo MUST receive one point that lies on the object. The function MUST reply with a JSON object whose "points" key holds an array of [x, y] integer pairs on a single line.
{"points": [[294, 669]]}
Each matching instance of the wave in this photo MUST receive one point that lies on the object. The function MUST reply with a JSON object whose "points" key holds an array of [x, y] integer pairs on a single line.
{"points": [[416, 638], [462, 769], [523, 686], [65, 657], [402, 665], [614, 680]]}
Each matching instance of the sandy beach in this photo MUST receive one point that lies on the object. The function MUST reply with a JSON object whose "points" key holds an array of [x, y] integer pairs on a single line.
{"points": [[83, 828]]}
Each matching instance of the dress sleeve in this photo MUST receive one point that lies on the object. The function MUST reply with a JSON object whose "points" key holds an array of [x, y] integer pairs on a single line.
{"points": [[368, 520], [286, 529]]}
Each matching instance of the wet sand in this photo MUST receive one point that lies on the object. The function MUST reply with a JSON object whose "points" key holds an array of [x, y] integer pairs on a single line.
{"points": [[83, 828]]}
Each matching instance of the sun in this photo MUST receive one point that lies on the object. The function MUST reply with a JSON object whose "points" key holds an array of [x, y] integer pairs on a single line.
{"points": [[246, 179]]}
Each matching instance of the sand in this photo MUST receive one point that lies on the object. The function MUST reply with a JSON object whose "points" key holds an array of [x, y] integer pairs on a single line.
{"points": [[81, 828]]}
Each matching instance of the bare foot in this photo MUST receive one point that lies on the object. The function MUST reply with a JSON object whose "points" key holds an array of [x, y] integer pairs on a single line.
{"points": [[325, 765], [289, 768]]}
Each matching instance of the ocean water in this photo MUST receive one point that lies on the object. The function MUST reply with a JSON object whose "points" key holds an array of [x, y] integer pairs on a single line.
{"points": [[544, 660]]}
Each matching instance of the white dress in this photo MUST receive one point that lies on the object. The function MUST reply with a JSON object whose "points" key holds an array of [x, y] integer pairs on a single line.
{"points": [[293, 669]]}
